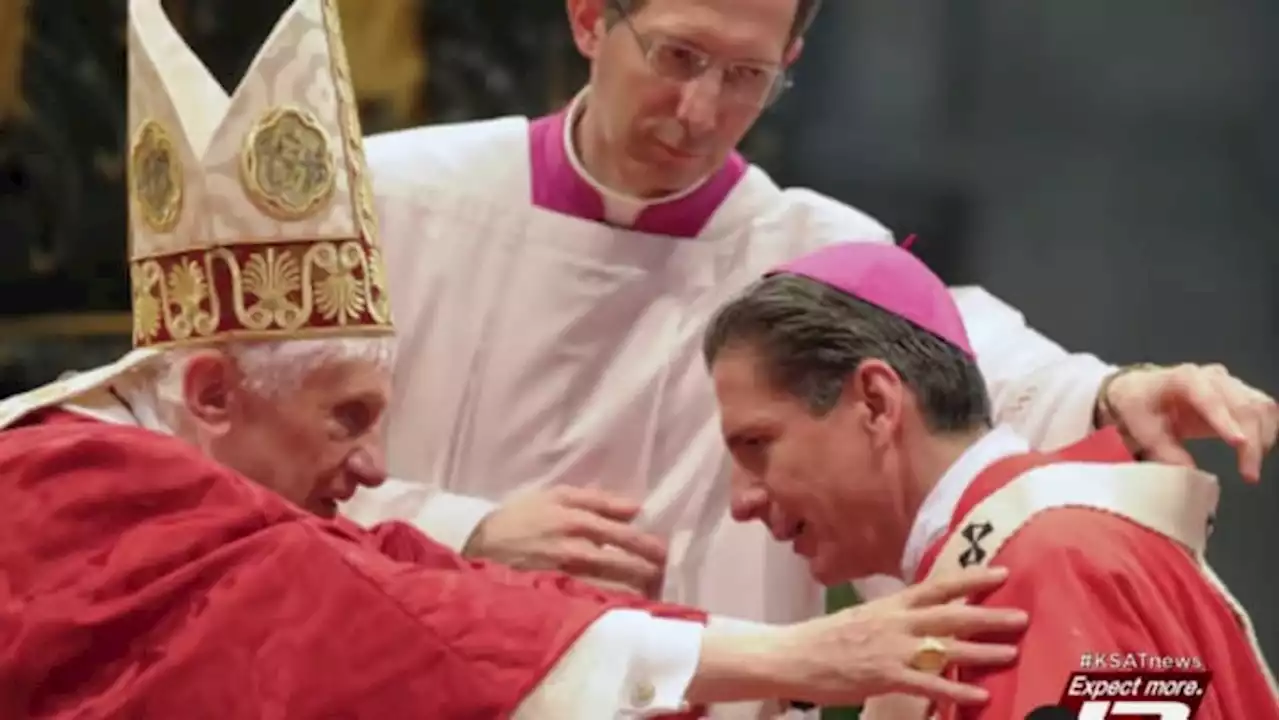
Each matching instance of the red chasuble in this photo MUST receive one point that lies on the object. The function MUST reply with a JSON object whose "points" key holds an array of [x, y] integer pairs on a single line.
{"points": [[143, 580], [1098, 583]]}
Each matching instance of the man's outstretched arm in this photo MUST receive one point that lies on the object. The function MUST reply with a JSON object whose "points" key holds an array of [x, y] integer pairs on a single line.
{"points": [[650, 657], [1054, 398]]}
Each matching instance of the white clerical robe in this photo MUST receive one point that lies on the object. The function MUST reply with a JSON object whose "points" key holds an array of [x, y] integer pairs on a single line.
{"points": [[550, 333]]}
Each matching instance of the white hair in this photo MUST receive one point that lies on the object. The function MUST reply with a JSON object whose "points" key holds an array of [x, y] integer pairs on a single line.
{"points": [[271, 367]]}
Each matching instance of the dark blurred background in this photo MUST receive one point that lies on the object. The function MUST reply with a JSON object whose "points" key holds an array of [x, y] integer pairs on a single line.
{"points": [[1102, 165]]}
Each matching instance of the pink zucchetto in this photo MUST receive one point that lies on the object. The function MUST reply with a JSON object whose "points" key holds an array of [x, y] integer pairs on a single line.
{"points": [[889, 277]]}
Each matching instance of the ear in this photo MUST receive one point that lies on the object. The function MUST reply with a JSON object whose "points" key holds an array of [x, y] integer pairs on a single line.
{"points": [[878, 388], [209, 388], [586, 21], [793, 52]]}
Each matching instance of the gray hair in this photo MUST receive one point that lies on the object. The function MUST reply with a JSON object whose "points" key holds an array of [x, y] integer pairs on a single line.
{"points": [[272, 368], [806, 11], [811, 337]]}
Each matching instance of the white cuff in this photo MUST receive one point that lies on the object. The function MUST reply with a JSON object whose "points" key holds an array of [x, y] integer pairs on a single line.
{"points": [[628, 664], [721, 625], [667, 654], [451, 519]]}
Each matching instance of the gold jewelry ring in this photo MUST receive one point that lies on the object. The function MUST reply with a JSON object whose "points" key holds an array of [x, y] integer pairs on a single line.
{"points": [[930, 656]]}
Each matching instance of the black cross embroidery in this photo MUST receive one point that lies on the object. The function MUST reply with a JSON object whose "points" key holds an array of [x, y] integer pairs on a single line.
{"points": [[974, 533]]}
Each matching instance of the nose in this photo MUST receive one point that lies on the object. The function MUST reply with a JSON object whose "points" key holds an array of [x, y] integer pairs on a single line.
{"points": [[368, 462], [747, 500], [699, 99]]}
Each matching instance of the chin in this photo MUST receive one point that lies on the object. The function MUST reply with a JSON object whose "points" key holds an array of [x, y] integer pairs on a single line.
{"points": [[670, 173], [668, 179], [831, 572], [824, 572]]}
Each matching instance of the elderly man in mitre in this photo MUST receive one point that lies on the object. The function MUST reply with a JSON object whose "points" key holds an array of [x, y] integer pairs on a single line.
{"points": [[146, 575], [852, 403]]}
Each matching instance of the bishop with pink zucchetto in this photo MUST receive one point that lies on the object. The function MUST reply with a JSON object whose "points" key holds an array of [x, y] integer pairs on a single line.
{"points": [[853, 406]]}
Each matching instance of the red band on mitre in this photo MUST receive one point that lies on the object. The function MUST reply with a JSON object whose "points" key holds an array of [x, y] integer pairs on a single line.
{"points": [[281, 290]]}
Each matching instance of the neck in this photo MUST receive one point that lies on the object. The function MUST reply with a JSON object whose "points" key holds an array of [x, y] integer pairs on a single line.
{"points": [[925, 465], [593, 151]]}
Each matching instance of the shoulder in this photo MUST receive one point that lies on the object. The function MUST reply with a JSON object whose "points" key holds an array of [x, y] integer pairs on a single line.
{"points": [[1085, 542], [449, 154], [977, 302], [830, 220], [804, 218], [58, 433], [811, 220], [69, 460]]}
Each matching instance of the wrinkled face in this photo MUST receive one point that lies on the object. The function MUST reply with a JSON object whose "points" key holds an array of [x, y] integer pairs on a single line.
{"points": [[662, 128], [314, 446], [817, 482]]}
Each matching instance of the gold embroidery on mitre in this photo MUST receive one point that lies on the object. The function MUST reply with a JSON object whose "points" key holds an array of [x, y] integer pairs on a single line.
{"points": [[379, 302], [155, 177], [362, 196], [290, 289], [340, 296], [274, 277], [185, 293], [352, 135], [145, 279], [286, 164]]}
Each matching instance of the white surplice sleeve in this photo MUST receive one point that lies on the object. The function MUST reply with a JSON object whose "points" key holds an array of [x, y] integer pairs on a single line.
{"points": [[628, 664], [1045, 393]]}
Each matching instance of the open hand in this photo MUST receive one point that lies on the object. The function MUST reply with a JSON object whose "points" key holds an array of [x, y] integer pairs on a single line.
{"points": [[868, 650], [584, 532], [1159, 408]]}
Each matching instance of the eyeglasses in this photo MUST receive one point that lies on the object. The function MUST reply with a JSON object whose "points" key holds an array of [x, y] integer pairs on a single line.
{"points": [[747, 84]]}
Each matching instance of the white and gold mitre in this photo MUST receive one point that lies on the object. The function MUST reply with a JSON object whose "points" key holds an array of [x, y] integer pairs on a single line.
{"points": [[250, 216]]}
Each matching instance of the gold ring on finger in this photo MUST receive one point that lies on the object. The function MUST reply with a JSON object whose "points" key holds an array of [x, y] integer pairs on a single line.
{"points": [[930, 656]]}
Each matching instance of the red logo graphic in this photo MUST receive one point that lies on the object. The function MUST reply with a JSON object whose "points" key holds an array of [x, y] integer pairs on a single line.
{"points": [[1135, 695]]}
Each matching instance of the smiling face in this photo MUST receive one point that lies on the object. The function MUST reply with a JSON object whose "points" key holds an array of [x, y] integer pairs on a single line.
{"points": [[826, 483], [677, 84], [314, 446]]}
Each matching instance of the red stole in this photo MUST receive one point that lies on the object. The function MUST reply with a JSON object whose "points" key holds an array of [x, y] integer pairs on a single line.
{"points": [[1104, 446]]}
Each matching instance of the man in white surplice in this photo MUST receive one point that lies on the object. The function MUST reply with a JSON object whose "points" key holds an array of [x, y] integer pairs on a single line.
{"points": [[552, 277]]}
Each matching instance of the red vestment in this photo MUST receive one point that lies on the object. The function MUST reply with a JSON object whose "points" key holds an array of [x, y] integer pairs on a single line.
{"points": [[143, 580], [1094, 582]]}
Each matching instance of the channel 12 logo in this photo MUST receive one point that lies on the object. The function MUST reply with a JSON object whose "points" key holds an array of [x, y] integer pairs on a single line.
{"points": [[1131, 695]]}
